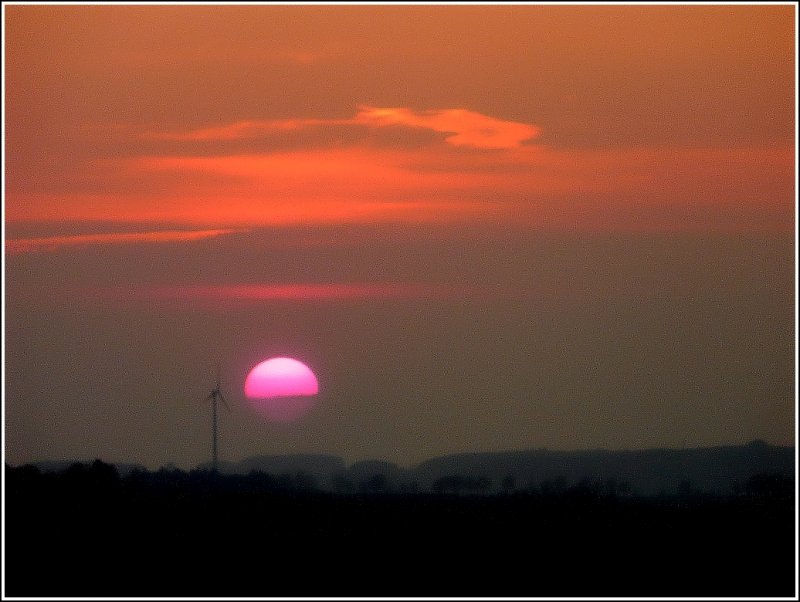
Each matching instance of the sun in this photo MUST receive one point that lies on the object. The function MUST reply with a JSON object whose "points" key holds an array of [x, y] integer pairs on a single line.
{"points": [[282, 389]]}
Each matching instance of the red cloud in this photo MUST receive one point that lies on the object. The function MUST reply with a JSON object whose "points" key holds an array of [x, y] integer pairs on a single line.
{"points": [[464, 128], [306, 292], [53, 243], [659, 189]]}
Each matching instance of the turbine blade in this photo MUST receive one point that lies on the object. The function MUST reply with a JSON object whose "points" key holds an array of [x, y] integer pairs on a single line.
{"points": [[222, 397]]}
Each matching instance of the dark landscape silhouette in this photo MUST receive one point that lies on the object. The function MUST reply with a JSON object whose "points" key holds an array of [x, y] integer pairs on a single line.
{"points": [[373, 529]]}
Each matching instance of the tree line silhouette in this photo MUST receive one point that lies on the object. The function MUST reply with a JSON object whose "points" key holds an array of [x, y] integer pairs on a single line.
{"points": [[102, 474], [89, 531]]}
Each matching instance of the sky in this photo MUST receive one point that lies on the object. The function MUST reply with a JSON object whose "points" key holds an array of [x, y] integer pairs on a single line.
{"points": [[483, 227]]}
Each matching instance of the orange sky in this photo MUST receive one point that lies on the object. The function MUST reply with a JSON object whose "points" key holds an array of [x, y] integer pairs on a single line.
{"points": [[646, 118], [486, 227]]}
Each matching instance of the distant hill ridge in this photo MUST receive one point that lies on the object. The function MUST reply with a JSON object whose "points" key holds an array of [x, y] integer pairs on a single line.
{"points": [[647, 472]]}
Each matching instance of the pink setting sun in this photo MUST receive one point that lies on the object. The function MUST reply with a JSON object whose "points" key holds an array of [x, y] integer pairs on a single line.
{"points": [[281, 388]]}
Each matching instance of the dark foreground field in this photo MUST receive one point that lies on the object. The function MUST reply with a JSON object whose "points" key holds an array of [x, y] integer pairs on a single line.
{"points": [[90, 533]]}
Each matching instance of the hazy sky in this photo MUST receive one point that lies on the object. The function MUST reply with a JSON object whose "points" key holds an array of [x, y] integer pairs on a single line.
{"points": [[483, 227]]}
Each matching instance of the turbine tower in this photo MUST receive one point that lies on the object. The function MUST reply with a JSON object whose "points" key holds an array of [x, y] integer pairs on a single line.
{"points": [[213, 396]]}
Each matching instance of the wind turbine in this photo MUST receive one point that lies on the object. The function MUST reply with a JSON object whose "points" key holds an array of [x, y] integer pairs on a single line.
{"points": [[213, 396]]}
